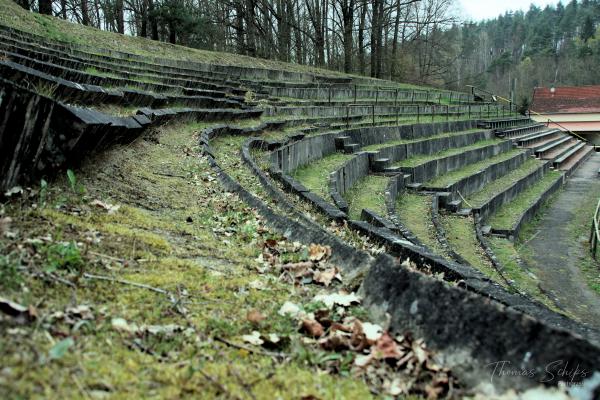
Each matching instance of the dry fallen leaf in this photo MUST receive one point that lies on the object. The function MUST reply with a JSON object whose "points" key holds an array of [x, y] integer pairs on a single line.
{"points": [[372, 332], [336, 341], [300, 269], [5, 224], [325, 277], [289, 309], [341, 298], [255, 317], [313, 328], [110, 208], [21, 313], [253, 338], [386, 348], [317, 253]]}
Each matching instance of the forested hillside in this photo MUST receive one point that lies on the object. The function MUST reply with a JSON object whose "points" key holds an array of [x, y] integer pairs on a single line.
{"points": [[557, 45], [414, 41]]}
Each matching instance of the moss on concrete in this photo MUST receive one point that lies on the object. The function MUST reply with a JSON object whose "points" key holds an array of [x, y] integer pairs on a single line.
{"points": [[176, 231]]}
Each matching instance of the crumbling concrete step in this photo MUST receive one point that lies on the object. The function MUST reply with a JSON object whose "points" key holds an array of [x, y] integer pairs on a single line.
{"points": [[454, 205], [380, 164], [393, 170], [568, 148], [341, 142], [351, 148]]}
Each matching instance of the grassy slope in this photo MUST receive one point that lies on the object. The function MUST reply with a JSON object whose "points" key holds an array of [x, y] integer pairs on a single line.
{"points": [[151, 240]]}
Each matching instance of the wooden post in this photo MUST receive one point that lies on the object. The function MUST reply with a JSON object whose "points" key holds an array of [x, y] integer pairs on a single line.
{"points": [[418, 113], [355, 93]]}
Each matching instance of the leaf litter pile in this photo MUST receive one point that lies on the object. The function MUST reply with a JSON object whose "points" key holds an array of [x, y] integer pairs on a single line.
{"points": [[391, 365]]}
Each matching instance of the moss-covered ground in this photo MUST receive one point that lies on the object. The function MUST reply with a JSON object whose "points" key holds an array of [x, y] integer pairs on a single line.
{"points": [[368, 192], [143, 236], [414, 211], [508, 215], [460, 233], [315, 176]]}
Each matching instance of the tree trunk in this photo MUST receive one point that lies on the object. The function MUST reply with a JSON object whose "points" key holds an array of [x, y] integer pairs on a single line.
{"points": [[172, 33], [144, 22], [120, 19], [348, 20], [152, 19], [45, 7], [361, 38], [395, 42], [24, 3], [85, 13]]}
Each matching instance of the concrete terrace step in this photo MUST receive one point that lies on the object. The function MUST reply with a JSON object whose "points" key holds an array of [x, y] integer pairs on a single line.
{"points": [[543, 150], [351, 148], [77, 73], [533, 138], [569, 164], [568, 153], [566, 150], [519, 131], [107, 64], [380, 164], [503, 122]]}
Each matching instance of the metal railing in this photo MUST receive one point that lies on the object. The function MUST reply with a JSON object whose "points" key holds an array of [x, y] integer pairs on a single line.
{"points": [[423, 112], [595, 233], [493, 96], [433, 96]]}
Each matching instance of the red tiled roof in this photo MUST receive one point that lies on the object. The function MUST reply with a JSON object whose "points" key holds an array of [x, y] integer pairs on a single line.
{"points": [[568, 99]]}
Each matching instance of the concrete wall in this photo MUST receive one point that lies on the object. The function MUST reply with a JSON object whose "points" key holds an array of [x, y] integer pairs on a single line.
{"points": [[433, 168], [528, 215], [354, 170], [430, 146], [507, 195], [477, 181]]}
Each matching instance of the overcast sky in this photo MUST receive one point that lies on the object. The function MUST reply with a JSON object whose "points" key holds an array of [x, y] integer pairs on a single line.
{"points": [[478, 10]]}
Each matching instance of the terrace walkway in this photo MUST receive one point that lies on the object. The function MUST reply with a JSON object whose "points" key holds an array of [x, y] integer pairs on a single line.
{"points": [[559, 248]]}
